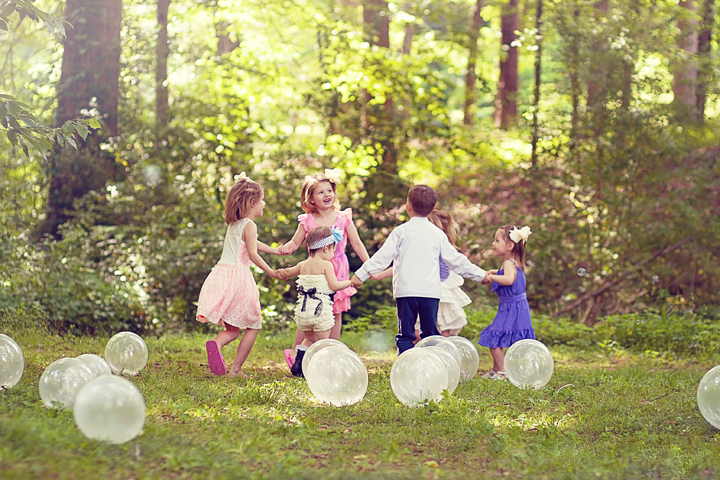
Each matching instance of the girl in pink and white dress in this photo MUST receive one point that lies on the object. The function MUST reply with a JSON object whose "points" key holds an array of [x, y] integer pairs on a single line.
{"points": [[318, 198], [229, 296]]}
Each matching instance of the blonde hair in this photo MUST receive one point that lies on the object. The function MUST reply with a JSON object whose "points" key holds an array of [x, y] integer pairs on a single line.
{"points": [[242, 197], [444, 221], [518, 251], [308, 190]]}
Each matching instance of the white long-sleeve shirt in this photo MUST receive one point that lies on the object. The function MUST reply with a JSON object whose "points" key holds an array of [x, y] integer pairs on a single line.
{"points": [[415, 248]]}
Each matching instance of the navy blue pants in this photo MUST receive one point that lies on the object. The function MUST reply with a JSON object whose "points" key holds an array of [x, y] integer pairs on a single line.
{"points": [[408, 310]]}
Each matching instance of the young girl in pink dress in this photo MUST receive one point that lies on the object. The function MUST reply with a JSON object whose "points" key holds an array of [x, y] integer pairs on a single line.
{"points": [[318, 198], [229, 296]]}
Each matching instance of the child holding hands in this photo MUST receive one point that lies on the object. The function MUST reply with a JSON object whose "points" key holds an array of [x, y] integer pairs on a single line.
{"points": [[316, 284], [229, 296], [512, 321]]}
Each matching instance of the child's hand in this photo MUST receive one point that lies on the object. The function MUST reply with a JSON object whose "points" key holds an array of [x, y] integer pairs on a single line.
{"points": [[486, 280], [284, 249], [355, 281], [280, 274]]}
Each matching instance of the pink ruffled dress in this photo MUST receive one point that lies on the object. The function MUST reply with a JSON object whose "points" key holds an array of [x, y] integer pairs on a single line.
{"points": [[341, 303], [229, 294]]}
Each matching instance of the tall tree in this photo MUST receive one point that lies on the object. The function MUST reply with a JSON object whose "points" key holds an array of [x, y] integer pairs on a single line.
{"points": [[476, 22], [538, 72], [704, 59], [89, 79], [597, 72], [506, 101], [685, 71], [162, 52]]}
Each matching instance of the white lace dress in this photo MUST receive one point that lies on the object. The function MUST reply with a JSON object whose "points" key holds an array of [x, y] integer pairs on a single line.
{"points": [[229, 294], [314, 309]]}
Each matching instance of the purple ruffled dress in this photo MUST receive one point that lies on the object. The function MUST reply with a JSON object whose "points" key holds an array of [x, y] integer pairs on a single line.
{"points": [[512, 322]]}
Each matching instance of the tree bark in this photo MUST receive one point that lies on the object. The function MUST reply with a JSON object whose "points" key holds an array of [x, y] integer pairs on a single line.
{"points": [[476, 22], [538, 72], [704, 62], [596, 87], [506, 101], [162, 52], [89, 79], [685, 68], [225, 45]]}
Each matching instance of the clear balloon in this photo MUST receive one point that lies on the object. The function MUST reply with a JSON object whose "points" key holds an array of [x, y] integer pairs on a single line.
{"points": [[109, 408], [451, 365], [336, 375], [443, 342], [418, 376], [97, 365], [12, 362], [529, 364], [61, 381], [708, 396], [316, 347], [582, 272], [470, 357], [126, 353]]}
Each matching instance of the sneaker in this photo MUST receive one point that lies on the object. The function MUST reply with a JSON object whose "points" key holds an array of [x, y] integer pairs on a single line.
{"points": [[289, 358], [215, 358], [296, 369], [493, 375]]}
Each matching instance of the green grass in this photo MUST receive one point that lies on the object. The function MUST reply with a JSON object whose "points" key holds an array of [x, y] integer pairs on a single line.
{"points": [[605, 414]]}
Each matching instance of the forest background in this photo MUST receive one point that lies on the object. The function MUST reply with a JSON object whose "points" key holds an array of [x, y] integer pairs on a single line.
{"points": [[593, 122]]}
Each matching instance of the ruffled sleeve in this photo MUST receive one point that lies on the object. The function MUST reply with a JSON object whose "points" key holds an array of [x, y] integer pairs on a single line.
{"points": [[344, 218], [306, 220]]}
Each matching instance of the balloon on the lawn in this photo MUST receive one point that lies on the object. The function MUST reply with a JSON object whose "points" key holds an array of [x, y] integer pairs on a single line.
{"points": [[470, 357], [97, 365], [708, 396], [336, 375], [528, 364], [452, 366], [126, 353], [109, 408], [316, 347], [12, 362], [418, 376], [61, 381], [443, 342]]}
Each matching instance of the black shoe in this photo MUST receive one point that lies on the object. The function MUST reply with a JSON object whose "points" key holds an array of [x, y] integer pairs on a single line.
{"points": [[296, 369]]}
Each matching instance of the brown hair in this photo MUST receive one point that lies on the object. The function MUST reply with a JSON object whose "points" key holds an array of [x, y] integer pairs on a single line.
{"points": [[423, 199], [316, 234], [444, 221], [240, 199], [518, 251], [308, 189]]}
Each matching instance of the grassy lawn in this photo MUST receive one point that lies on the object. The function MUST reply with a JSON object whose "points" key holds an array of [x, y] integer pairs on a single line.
{"points": [[605, 414]]}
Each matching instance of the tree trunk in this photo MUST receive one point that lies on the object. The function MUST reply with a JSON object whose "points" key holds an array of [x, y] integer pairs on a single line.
{"points": [[596, 87], [685, 68], [476, 22], [538, 71], [704, 62], [506, 101], [162, 52], [89, 79], [225, 45]]}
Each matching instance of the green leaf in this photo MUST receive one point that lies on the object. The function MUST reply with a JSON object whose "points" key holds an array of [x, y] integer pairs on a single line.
{"points": [[68, 127], [12, 136], [71, 141], [60, 138], [3, 25], [93, 122], [82, 130]]}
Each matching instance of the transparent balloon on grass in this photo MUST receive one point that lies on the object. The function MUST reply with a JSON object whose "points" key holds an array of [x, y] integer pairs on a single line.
{"points": [[61, 381], [316, 347], [12, 362], [470, 357], [418, 376], [336, 375], [109, 408], [529, 364], [97, 365], [443, 342], [708, 396], [127, 353], [451, 364]]}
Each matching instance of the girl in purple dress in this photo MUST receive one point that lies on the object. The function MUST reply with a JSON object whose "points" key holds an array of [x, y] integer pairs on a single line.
{"points": [[512, 322]]}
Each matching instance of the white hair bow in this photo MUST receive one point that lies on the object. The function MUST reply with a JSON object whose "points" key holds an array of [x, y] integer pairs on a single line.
{"points": [[518, 234], [333, 175], [241, 178]]}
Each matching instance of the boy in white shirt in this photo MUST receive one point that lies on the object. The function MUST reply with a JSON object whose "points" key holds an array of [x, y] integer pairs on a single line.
{"points": [[415, 248]]}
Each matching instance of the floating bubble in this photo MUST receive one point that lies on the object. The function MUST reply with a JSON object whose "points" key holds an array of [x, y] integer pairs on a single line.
{"points": [[336, 375], [316, 347], [470, 357], [708, 396], [12, 362], [581, 272], [126, 353], [655, 279], [97, 365], [442, 342], [418, 376], [152, 174], [376, 341], [61, 381], [109, 408], [451, 364], [528, 363]]}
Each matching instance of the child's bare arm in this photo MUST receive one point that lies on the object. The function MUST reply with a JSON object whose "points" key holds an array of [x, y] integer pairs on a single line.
{"points": [[356, 243], [294, 242], [332, 280], [250, 239], [509, 274], [387, 273], [285, 273], [264, 248]]}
